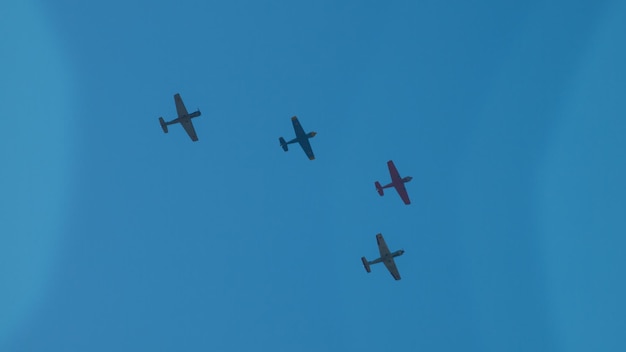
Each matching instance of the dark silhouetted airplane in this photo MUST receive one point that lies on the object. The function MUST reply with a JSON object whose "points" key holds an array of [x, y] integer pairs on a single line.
{"points": [[184, 118], [386, 257], [301, 137]]}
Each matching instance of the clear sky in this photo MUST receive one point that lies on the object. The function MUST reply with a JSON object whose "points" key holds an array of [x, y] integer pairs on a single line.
{"points": [[509, 116]]}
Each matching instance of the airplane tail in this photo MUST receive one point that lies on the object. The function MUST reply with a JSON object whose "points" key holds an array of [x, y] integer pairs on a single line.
{"points": [[283, 143], [163, 124], [366, 264], [379, 188]]}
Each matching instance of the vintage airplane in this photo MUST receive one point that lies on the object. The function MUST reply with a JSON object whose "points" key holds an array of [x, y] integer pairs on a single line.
{"points": [[386, 257], [301, 137], [397, 182], [184, 118]]}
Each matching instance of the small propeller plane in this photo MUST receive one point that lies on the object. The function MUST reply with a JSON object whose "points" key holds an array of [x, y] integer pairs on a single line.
{"points": [[301, 137], [184, 118], [386, 257], [397, 182]]}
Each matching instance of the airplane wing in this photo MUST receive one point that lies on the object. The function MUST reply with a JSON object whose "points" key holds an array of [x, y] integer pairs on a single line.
{"points": [[297, 127], [395, 175], [389, 263], [382, 246], [180, 109], [188, 126], [306, 146], [391, 266], [403, 193]]}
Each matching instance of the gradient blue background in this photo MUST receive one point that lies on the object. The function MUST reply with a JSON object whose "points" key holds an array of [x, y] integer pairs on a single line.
{"points": [[509, 116]]}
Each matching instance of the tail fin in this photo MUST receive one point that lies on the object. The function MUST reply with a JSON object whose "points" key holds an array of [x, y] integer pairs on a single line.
{"points": [[163, 124], [366, 264], [379, 188], [283, 143]]}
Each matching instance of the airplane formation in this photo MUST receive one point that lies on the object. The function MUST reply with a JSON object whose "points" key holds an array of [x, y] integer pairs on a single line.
{"points": [[302, 138]]}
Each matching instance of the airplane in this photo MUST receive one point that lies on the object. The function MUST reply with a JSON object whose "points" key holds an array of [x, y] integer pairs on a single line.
{"points": [[386, 257], [397, 182], [301, 137], [184, 118]]}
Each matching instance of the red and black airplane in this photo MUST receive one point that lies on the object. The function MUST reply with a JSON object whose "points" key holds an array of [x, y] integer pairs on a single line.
{"points": [[397, 182]]}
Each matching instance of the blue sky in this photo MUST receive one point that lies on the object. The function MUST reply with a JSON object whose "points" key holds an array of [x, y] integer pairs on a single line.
{"points": [[509, 117]]}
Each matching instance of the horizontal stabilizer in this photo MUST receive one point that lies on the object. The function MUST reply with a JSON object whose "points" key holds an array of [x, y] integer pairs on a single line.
{"points": [[163, 124], [283, 143], [379, 188], [366, 264]]}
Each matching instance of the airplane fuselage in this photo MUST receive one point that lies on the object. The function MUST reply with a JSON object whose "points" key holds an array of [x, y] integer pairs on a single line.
{"points": [[391, 255], [400, 181], [302, 138], [388, 257], [187, 117]]}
